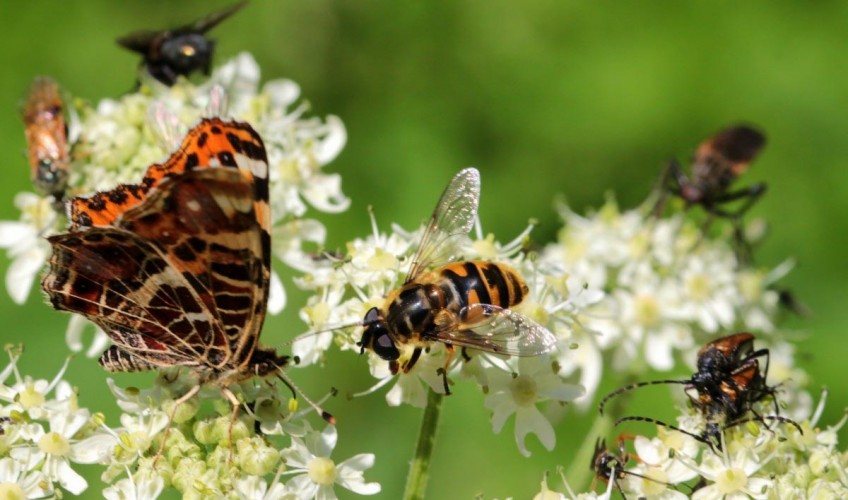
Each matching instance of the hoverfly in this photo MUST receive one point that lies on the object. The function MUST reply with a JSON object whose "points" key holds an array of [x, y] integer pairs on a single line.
{"points": [[717, 163], [726, 385], [169, 54], [457, 303], [47, 137]]}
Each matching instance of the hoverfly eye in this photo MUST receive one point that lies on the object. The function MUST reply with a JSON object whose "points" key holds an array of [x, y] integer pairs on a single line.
{"points": [[372, 316], [384, 347]]}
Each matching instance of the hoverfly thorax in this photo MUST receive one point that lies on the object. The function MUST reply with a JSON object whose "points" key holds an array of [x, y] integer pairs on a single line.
{"points": [[377, 338]]}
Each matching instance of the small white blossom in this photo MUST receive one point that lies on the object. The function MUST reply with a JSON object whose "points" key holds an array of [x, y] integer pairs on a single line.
{"points": [[315, 473], [518, 393]]}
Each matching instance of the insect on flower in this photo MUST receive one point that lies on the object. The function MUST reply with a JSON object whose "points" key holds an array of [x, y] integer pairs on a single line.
{"points": [[457, 303], [609, 466], [168, 54], [717, 163], [726, 385], [176, 269], [47, 137]]}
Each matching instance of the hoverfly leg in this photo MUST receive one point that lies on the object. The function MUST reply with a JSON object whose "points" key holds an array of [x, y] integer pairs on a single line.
{"points": [[412, 360], [464, 353], [443, 371]]}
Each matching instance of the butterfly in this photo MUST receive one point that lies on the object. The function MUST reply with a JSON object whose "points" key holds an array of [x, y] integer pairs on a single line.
{"points": [[176, 269], [168, 54]]}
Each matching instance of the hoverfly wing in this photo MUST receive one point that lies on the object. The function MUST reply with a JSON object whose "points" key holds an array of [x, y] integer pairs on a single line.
{"points": [[449, 225], [498, 330], [208, 22]]}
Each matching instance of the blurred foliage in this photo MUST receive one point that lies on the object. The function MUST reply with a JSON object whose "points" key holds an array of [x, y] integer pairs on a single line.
{"points": [[546, 98]]}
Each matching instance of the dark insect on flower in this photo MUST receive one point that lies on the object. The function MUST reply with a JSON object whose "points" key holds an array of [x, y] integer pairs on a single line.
{"points": [[169, 54], [47, 137], [716, 164], [610, 466], [724, 389]]}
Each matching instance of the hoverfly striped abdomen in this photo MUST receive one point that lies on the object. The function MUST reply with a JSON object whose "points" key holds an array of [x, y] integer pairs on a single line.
{"points": [[477, 282]]}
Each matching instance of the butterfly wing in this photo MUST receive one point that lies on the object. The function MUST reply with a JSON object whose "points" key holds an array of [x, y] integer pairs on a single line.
{"points": [[179, 280]]}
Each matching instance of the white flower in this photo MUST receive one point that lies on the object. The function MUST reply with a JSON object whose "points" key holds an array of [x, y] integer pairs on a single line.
{"points": [[256, 488], [138, 487], [18, 482], [61, 446], [25, 244], [315, 473], [732, 476], [520, 392]]}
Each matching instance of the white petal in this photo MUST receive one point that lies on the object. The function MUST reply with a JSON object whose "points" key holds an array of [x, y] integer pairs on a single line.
{"points": [[93, 449], [530, 420], [359, 462], [99, 343], [69, 479], [327, 150], [502, 410], [73, 333], [329, 438], [325, 492], [21, 273], [302, 486], [276, 295], [11, 233]]}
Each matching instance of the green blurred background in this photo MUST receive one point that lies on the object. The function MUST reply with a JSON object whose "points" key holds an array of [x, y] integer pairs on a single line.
{"points": [[546, 98]]}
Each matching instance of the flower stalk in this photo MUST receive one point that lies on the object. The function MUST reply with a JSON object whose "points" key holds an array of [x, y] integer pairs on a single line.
{"points": [[419, 469]]}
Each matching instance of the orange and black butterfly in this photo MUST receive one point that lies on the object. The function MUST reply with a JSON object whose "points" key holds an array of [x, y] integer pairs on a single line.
{"points": [[458, 303], [47, 137], [176, 269], [168, 54]]}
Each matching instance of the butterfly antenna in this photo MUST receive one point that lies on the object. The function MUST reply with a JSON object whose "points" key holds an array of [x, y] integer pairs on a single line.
{"points": [[327, 416], [628, 388]]}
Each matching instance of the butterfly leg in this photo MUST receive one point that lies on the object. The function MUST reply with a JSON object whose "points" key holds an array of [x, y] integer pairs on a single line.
{"points": [[236, 404], [182, 399]]}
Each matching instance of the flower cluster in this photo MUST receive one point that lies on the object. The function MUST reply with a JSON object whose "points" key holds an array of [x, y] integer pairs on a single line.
{"points": [[43, 431], [670, 289], [268, 451], [754, 461]]}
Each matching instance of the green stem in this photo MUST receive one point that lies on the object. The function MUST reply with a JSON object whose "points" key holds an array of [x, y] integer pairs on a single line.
{"points": [[580, 471], [416, 482]]}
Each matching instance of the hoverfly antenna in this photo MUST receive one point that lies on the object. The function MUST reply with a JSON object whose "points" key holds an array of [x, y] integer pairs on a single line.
{"points": [[327, 416], [628, 388], [660, 422]]}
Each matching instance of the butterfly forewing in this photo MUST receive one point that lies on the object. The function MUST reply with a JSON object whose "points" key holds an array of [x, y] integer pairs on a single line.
{"points": [[450, 223], [180, 279]]}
